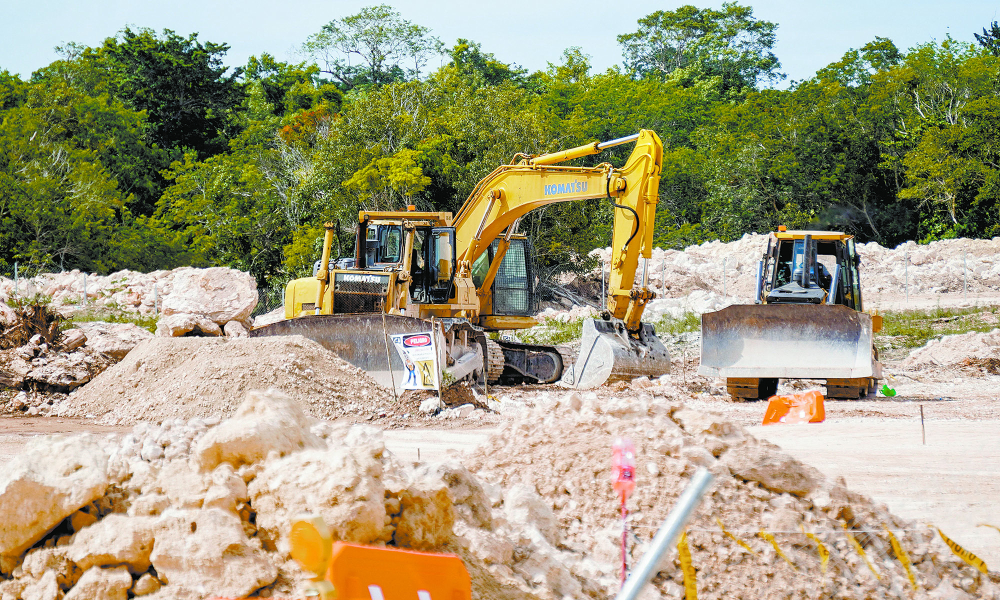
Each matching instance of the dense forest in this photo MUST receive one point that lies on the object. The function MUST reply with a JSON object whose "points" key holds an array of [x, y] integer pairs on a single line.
{"points": [[146, 152]]}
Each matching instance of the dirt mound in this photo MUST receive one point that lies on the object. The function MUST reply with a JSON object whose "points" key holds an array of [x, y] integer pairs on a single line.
{"points": [[166, 378], [537, 520], [558, 460], [956, 350]]}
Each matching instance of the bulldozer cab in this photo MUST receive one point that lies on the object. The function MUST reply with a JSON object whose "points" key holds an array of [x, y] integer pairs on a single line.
{"points": [[802, 267], [425, 251]]}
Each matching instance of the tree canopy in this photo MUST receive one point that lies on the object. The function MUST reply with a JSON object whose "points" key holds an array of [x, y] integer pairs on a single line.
{"points": [[145, 152]]}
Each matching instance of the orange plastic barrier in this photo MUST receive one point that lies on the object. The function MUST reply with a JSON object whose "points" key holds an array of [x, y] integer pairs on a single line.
{"points": [[368, 573], [804, 407]]}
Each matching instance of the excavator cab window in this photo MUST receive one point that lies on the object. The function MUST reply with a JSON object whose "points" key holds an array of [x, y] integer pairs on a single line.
{"points": [[441, 263], [513, 287]]}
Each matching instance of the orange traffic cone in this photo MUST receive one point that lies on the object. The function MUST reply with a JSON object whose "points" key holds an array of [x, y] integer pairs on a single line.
{"points": [[804, 407]]}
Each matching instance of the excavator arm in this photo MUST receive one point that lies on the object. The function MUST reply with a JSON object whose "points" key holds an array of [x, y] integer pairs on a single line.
{"points": [[500, 200]]}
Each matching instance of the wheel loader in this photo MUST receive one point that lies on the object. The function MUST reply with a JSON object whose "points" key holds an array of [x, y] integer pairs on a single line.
{"points": [[807, 322], [466, 275]]}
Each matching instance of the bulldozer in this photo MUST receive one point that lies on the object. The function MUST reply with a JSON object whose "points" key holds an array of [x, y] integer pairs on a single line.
{"points": [[807, 322], [466, 275]]}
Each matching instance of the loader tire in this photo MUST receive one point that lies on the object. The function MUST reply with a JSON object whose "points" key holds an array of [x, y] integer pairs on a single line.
{"points": [[743, 389]]}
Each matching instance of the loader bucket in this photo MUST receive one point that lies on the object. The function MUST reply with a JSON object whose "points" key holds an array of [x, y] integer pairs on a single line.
{"points": [[608, 353], [804, 341], [361, 340]]}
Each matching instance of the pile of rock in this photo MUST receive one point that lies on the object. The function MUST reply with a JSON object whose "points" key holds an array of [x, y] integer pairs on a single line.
{"points": [[63, 364], [550, 473], [191, 301], [729, 270], [953, 350], [199, 508], [167, 378], [191, 509]]}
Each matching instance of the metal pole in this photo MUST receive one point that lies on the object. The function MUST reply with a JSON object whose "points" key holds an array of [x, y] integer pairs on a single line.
{"points": [[388, 361], [663, 273], [666, 535]]}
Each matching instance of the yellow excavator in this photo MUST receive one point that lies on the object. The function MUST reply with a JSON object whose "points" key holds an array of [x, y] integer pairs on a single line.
{"points": [[807, 322], [466, 275]]}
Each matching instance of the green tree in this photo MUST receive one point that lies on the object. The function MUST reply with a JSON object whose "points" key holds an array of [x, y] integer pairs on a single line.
{"points": [[181, 84], [387, 47], [291, 88], [990, 40], [729, 43], [483, 68]]}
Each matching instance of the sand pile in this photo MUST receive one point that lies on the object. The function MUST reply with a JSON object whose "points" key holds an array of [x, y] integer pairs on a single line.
{"points": [[554, 464], [166, 378], [956, 350]]}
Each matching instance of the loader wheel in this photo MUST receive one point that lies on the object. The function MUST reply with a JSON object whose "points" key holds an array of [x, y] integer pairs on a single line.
{"points": [[743, 389], [848, 389]]}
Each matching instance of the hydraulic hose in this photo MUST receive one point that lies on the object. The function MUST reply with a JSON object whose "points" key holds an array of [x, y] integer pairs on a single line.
{"points": [[635, 229]]}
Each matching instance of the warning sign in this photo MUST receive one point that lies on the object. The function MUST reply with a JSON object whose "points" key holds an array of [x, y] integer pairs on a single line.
{"points": [[419, 356]]}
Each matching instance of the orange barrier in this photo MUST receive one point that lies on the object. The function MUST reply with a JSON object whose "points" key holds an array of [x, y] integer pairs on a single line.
{"points": [[804, 407], [370, 573]]}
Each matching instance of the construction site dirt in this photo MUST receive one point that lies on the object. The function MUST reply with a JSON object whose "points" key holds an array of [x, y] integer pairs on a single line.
{"points": [[516, 479]]}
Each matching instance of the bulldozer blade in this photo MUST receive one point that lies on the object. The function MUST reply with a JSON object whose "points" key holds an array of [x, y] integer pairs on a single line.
{"points": [[787, 341], [361, 340], [608, 353]]}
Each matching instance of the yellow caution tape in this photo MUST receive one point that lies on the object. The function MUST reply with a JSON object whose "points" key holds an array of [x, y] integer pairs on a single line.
{"points": [[988, 525], [861, 552], [968, 557], [767, 536], [690, 584], [903, 557], [729, 535], [824, 554]]}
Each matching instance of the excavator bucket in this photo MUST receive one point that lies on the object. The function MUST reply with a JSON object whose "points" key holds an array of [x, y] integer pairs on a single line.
{"points": [[362, 340], [787, 341], [608, 353]]}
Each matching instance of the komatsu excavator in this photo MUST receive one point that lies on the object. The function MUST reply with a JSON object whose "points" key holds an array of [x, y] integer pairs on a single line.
{"points": [[808, 322], [466, 275]]}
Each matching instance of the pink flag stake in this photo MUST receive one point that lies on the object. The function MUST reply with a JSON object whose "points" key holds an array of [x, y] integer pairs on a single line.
{"points": [[623, 476]]}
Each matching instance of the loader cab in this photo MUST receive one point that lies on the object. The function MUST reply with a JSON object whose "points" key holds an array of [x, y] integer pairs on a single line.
{"points": [[810, 267], [430, 261]]}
